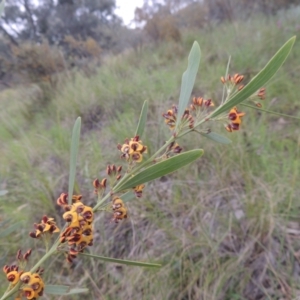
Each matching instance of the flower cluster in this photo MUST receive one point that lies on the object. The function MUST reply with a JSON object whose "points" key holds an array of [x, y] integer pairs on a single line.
{"points": [[200, 105], [233, 81], [46, 227], [79, 232], [119, 209], [34, 284], [235, 117], [199, 102], [133, 149], [171, 118], [114, 173], [12, 273]]}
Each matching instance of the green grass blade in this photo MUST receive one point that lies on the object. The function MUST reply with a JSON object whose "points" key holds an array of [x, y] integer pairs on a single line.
{"points": [[9, 230], [260, 79], [2, 4], [122, 261], [162, 168], [142, 120], [73, 156], [188, 80], [217, 137], [63, 290]]}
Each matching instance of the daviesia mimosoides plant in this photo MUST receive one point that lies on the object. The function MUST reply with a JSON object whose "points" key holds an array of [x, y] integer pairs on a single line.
{"points": [[129, 179]]}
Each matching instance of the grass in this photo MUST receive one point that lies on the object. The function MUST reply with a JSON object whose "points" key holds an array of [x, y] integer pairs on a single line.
{"points": [[225, 227]]}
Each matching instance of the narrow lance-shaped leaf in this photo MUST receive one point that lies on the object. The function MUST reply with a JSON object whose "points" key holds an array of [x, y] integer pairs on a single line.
{"points": [[142, 120], [260, 79], [122, 261], [162, 168], [63, 290], [188, 80], [128, 196], [217, 137], [73, 156], [77, 291], [56, 289]]}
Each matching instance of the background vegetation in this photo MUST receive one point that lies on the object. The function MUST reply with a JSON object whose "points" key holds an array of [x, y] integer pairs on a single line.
{"points": [[226, 227]]}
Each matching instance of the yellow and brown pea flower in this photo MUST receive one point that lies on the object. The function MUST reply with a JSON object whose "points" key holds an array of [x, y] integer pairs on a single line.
{"points": [[235, 117], [138, 190], [173, 148], [12, 273], [171, 117], [79, 232], [133, 149], [47, 226], [34, 285], [119, 209]]}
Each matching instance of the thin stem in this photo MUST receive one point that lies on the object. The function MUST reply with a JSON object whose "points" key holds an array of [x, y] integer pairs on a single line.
{"points": [[270, 112], [101, 201]]}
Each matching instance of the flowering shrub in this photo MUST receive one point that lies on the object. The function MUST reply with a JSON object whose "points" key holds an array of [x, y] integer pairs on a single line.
{"points": [[128, 181]]}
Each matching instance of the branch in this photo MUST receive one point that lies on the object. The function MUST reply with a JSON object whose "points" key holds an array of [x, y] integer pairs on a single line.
{"points": [[30, 19], [10, 37]]}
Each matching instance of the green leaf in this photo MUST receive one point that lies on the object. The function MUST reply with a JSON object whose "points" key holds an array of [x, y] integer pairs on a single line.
{"points": [[57, 289], [122, 261], [63, 290], [128, 196], [73, 156], [260, 79], [9, 230], [142, 120], [162, 168], [78, 291], [217, 137], [188, 80], [3, 192], [2, 4]]}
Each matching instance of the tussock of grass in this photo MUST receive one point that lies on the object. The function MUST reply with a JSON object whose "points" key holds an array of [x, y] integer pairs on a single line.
{"points": [[226, 227]]}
